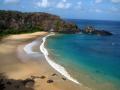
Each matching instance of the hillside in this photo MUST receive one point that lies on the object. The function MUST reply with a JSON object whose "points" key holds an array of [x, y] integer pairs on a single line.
{"points": [[18, 22]]}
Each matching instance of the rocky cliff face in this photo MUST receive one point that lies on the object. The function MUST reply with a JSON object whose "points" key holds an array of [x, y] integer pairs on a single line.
{"points": [[41, 21]]}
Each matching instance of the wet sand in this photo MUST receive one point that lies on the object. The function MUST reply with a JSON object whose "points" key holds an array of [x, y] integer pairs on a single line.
{"points": [[17, 65]]}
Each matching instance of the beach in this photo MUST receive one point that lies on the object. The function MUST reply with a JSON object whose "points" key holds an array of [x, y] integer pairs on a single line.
{"points": [[19, 62], [91, 60]]}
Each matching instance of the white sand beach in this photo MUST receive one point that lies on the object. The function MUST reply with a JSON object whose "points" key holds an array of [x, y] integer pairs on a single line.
{"points": [[19, 62]]}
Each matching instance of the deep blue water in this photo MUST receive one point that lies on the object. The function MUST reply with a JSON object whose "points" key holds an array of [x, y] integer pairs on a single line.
{"points": [[93, 60]]}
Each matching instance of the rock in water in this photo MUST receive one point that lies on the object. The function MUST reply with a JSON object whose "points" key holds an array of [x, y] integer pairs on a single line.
{"points": [[92, 31]]}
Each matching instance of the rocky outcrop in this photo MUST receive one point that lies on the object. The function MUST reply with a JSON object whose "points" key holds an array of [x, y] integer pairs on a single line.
{"points": [[10, 20], [66, 27], [91, 30]]}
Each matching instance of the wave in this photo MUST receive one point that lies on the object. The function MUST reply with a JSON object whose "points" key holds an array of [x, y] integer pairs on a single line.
{"points": [[30, 52], [28, 48], [56, 66]]}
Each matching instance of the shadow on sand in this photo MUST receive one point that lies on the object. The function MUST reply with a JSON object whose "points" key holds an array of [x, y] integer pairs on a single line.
{"points": [[11, 84]]}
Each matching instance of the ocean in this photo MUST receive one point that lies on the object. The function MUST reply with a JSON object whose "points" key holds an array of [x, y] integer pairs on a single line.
{"points": [[92, 60]]}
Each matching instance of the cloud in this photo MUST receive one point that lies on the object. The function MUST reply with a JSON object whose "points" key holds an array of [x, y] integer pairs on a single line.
{"points": [[98, 1], [64, 0], [64, 4], [11, 1], [79, 5], [98, 10], [43, 3], [114, 10], [115, 1]]}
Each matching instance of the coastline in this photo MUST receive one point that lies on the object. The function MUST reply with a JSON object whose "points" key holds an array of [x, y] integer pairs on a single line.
{"points": [[19, 66], [56, 66]]}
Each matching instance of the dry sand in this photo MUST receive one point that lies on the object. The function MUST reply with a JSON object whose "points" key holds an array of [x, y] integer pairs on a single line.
{"points": [[17, 65]]}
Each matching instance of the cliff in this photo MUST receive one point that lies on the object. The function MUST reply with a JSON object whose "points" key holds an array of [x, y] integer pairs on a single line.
{"points": [[14, 21]]}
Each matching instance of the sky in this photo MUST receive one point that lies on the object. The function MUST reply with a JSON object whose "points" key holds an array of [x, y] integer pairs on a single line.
{"points": [[71, 9]]}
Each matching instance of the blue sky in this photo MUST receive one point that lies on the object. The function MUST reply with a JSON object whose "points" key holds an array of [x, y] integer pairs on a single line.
{"points": [[75, 9]]}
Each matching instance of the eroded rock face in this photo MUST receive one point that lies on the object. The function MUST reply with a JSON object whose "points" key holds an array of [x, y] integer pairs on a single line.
{"points": [[42, 21], [91, 30], [66, 27]]}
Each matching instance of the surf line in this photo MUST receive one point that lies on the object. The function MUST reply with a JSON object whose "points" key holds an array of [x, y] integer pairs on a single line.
{"points": [[28, 48], [54, 65]]}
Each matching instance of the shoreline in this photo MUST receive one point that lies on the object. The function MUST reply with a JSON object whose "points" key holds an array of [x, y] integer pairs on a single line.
{"points": [[56, 66], [19, 66]]}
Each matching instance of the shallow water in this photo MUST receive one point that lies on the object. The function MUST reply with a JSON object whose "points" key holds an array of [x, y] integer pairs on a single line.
{"points": [[93, 60]]}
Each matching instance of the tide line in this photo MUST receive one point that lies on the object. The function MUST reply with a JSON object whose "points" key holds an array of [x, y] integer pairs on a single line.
{"points": [[56, 66]]}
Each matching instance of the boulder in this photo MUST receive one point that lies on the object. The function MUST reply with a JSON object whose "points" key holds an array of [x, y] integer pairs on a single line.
{"points": [[92, 31]]}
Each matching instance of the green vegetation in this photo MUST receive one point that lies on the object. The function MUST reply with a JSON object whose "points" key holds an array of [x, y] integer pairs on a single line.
{"points": [[58, 24], [20, 31], [14, 22]]}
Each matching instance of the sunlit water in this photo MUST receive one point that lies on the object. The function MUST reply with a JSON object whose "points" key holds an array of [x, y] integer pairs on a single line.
{"points": [[93, 60]]}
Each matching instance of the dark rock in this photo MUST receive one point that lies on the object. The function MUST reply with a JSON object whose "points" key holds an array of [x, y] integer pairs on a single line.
{"points": [[6, 84], [50, 81], [92, 31], [54, 74], [9, 83], [1, 80], [17, 86], [2, 86], [67, 27], [28, 81], [35, 77], [42, 77], [64, 78], [102, 32]]}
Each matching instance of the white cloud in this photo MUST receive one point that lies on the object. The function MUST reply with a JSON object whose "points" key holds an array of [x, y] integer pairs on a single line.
{"points": [[43, 3], [11, 1], [115, 1], [98, 10], [64, 4], [79, 5], [110, 10], [64, 0], [114, 9], [98, 1]]}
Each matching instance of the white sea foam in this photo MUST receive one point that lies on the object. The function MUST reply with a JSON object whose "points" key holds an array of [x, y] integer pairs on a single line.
{"points": [[56, 66], [28, 48]]}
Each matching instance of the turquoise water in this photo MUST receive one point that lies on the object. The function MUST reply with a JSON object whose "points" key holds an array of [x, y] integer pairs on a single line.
{"points": [[92, 60]]}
